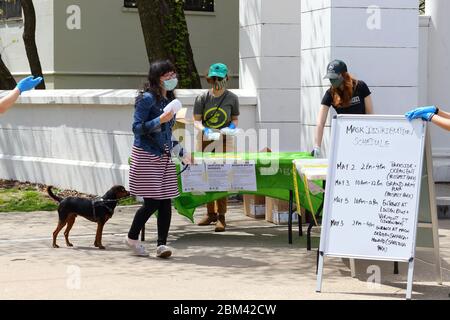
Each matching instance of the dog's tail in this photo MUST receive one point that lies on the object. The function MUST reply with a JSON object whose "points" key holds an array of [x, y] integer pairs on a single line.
{"points": [[51, 194]]}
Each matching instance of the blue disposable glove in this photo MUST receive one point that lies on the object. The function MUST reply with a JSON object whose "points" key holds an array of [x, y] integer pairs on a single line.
{"points": [[28, 83], [418, 112], [230, 130], [427, 116], [210, 135]]}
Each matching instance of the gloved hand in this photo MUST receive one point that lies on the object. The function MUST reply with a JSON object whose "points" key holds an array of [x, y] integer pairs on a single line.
{"points": [[230, 130], [418, 112], [316, 153], [28, 83], [425, 116], [211, 135]]}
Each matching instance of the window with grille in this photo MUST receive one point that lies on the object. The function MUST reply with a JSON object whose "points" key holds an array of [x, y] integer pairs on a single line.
{"points": [[130, 4], [199, 5], [10, 9], [190, 5]]}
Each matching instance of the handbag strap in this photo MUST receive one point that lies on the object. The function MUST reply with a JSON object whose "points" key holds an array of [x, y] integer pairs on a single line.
{"points": [[217, 109]]}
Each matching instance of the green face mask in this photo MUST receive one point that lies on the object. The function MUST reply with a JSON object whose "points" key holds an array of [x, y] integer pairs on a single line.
{"points": [[336, 83]]}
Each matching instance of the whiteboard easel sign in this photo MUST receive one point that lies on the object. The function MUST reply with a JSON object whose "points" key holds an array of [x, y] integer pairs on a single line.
{"points": [[372, 197]]}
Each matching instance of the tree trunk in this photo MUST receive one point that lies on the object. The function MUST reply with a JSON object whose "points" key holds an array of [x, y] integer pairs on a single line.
{"points": [[167, 37], [7, 81], [29, 38]]}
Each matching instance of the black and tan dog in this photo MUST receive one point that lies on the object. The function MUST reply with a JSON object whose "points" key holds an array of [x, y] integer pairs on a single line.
{"points": [[99, 210]]}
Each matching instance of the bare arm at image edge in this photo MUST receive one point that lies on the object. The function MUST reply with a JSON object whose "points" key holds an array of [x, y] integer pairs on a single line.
{"points": [[8, 101], [444, 114], [441, 121], [26, 84], [321, 121], [369, 104]]}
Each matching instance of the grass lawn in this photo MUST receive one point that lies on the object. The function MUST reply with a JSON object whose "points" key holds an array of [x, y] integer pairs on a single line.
{"points": [[26, 200], [30, 199]]}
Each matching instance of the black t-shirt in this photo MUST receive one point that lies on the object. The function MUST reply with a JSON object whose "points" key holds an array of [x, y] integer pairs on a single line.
{"points": [[357, 104]]}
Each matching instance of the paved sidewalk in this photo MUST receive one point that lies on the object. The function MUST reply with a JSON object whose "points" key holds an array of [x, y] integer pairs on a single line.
{"points": [[251, 260]]}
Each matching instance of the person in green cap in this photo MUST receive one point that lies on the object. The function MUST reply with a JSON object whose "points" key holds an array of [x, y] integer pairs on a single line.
{"points": [[216, 113]]}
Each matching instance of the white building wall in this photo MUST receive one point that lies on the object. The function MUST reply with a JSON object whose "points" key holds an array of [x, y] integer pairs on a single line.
{"points": [[108, 51], [436, 80], [424, 25], [81, 139], [378, 39], [269, 55], [13, 48]]}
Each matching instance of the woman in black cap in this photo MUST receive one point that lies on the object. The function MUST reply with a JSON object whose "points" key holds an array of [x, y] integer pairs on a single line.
{"points": [[346, 95]]}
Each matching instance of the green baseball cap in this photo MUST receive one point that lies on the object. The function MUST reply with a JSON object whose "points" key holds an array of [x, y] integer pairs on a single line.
{"points": [[218, 70]]}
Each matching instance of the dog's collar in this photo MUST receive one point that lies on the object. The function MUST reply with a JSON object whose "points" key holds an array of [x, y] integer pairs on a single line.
{"points": [[100, 202]]}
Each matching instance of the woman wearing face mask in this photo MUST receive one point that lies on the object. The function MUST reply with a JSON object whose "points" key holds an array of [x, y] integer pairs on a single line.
{"points": [[216, 117], [152, 172], [346, 95]]}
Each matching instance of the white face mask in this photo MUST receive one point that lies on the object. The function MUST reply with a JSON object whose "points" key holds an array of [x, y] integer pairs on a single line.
{"points": [[170, 84]]}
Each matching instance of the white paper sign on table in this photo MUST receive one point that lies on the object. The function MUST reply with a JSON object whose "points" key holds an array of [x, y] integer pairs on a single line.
{"points": [[219, 175], [243, 176], [195, 178]]}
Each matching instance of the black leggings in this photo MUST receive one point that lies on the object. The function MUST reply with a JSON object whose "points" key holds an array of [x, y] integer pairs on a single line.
{"points": [[149, 207]]}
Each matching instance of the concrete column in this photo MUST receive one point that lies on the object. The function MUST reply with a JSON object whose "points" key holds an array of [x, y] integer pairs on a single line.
{"points": [[378, 39], [269, 53], [439, 74]]}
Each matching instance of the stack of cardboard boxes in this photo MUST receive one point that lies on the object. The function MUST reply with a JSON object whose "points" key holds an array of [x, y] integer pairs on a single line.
{"points": [[277, 211], [273, 210], [255, 206]]}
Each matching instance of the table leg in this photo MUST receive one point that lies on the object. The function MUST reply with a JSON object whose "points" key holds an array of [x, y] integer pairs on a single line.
{"points": [[291, 205], [317, 260], [396, 271], [300, 225], [308, 236]]}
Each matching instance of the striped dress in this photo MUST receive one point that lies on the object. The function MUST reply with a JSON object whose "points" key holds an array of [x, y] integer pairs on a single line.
{"points": [[151, 176]]}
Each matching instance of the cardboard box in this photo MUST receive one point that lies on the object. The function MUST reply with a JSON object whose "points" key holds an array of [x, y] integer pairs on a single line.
{"points": [[255, 206], [282, 217], [277, 211]]}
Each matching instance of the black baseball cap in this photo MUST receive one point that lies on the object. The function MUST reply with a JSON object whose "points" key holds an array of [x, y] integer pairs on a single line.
{"points": [[335, 68]]}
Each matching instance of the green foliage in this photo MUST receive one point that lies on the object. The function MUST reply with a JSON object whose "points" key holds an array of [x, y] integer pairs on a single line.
{"points": [[177, 34], [128, 202], [30, 199], [422, 6], [25, 200]]}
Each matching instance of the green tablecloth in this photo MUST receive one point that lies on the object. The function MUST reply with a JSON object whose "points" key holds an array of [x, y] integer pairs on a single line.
{"points": [[276, 185]]}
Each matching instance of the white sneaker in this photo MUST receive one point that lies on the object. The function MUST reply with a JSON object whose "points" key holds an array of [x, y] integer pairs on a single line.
{"points": [[163, 251], [138, 248]]}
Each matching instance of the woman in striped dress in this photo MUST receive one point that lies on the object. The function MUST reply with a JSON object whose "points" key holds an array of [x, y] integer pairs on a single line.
{"points": [[152, 172]]}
